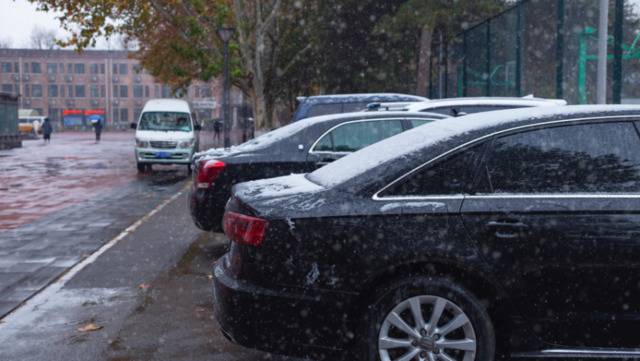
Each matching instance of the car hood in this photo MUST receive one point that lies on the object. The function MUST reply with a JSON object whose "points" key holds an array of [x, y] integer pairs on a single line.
{"points": [[154, 135]]}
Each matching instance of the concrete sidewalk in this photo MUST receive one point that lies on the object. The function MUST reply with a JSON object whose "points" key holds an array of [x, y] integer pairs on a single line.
{"points": [[148, 297]]}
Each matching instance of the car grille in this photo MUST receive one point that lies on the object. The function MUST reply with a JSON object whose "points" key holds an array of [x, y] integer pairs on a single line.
{"points": [[163, 144]]}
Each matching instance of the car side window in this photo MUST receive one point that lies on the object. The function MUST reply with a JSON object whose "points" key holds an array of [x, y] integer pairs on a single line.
{"points": [[419, 122], [447, 176], [349, 137], [324, 109], [440, 110], [586, 158]]}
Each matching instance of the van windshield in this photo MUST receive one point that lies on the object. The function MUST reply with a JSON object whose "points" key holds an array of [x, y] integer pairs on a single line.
{"points": [[165, 121]]}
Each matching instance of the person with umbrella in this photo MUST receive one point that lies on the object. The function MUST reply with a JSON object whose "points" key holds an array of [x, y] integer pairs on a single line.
{"points": [[96, 122]]}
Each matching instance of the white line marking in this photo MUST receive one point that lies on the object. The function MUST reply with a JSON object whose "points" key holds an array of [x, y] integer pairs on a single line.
{"points": [[43, 295]]}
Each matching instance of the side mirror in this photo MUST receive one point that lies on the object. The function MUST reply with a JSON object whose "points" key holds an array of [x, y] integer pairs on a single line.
{"points": [[197, 127], [133, 125]]}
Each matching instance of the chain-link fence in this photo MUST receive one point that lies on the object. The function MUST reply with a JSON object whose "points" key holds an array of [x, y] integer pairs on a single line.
{"points": [[9, 136], [547, 48]]}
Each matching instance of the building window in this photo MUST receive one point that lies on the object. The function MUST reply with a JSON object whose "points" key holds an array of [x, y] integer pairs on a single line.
{"points": [[7, 68], [137, 68], [79, 68], [53, 91], [93, 68], [166, 91], [61, 91], [26, 68], [36, 90], [101, 68], [52, 68], [27, 91], [206, 92], [156, 91], [36, 68], [123, 69], [69, 68], [54, 114], [80, 91], [124, 91], [103, 91], [61, 67], [137, 91], [146, 91], [136, 114], [7, 88], [116, 114], [124, 115], [94, 91], [70, 91]]}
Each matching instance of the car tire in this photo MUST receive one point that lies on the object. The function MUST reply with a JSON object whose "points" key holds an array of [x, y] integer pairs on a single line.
{"points": [[189, 169], [141, 167], [475, 338]]}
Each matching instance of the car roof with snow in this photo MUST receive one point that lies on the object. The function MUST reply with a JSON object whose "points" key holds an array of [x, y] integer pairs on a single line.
{"points": [[496, 101], [418, 145], [290, 130], [361, 97]]}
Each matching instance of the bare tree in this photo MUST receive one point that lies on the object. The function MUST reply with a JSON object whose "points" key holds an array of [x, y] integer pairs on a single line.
{"points": [[42, 38]]}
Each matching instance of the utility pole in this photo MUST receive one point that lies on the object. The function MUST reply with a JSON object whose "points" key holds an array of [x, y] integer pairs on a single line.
{"points": [[603, 33], [225, 34]]}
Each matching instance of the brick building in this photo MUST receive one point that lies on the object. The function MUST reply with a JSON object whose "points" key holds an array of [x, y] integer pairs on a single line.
{"points": [[68, 86]]}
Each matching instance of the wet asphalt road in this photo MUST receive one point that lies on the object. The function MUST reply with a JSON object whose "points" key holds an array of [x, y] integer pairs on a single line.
{"points": [[148, 296]]}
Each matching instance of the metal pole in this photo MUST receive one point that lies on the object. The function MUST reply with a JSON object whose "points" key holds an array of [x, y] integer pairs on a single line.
{"points": [[519, 49], [225, 98], [602, 51], [617, 52], [560, 49]]}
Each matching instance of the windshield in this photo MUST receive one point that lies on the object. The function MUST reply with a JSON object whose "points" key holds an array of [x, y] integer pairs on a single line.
{"points": [[165, 121]]}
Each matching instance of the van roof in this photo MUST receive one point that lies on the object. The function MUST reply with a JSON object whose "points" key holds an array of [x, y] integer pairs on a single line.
{"points": [[166, 105]]}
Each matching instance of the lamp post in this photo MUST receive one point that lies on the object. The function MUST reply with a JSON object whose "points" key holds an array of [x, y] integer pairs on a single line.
{"points": [[225, 34]]}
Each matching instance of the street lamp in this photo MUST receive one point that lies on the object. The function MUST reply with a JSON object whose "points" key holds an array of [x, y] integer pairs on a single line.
{"points": [[225, 34]]}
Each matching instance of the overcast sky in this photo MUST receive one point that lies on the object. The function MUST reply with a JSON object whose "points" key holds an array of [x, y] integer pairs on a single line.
{"points": [[18, 17]]}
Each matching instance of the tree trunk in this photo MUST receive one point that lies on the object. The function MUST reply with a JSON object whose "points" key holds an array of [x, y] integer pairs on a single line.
{"points": [[260, 111], [423, 61]]}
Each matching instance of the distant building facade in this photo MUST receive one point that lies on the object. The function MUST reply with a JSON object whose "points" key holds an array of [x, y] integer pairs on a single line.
{"points": [[68, 86]]}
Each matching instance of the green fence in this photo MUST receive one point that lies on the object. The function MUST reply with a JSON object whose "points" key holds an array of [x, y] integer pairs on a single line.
{"points": [[543, 47], [8, 115]]}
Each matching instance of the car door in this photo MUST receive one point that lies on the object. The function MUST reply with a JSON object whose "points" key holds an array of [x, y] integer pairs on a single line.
{"points": [[351, 136], [556, 211]]}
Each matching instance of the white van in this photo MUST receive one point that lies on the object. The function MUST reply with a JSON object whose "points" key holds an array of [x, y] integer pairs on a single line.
{"points": [[165, 134]]}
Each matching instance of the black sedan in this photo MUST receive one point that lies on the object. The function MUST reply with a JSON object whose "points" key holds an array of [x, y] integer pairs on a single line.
{"points": [[505, 233], [299, 147]]}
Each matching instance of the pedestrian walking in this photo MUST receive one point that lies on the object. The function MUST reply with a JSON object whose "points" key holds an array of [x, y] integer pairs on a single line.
{"points": [[97, 127], [217, 129], [47, 129]]}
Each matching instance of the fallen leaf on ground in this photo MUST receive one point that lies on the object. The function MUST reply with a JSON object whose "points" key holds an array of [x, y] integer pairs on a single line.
{"points": [[89, 327]]}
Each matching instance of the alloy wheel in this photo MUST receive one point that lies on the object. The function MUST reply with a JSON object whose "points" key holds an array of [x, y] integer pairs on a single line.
{"points": [[427, 328]]}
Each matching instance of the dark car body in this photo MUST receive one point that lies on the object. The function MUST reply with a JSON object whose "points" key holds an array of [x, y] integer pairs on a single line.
{"points": [[536, 211], [317, 105], [299, 147]]}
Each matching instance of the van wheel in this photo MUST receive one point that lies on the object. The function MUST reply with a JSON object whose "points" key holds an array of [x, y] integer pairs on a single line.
{"points": [[189, 168], [427, 318], [141, 167]]}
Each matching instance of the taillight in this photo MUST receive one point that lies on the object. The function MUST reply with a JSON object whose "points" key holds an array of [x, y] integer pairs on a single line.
{"points": [[208, 172], [244, 229]]}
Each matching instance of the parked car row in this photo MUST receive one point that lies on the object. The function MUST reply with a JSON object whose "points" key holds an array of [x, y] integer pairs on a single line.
{"points": [[505, 233]]}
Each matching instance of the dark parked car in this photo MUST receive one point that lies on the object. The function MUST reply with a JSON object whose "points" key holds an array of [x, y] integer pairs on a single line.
{"points": [[299, 147], [511, 232], [314, 106]]}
